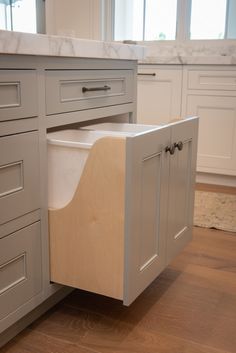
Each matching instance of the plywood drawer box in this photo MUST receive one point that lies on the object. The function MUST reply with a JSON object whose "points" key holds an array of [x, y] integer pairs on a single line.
{"points": [[71, 90], [111, 237], [20, 268], [19, 175], [18, 94], [212, 80]]}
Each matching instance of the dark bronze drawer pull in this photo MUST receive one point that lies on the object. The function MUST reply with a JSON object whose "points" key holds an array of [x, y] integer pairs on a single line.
{"points": [[170, 148], [94, 89], [179, 145], [146, 74]]}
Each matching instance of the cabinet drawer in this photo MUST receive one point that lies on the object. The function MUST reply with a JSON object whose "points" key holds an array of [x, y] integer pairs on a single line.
{"points": [[18, 94], [110, 236], [212, 80], [71, 90], [20, 268], [19, 175]]}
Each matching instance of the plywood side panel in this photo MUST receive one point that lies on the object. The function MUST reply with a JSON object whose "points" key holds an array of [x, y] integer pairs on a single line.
{"points": [[87, 236]]}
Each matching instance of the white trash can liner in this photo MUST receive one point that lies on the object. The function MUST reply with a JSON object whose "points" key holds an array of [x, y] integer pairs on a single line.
{"points": [[67, 154], [121, 127]]}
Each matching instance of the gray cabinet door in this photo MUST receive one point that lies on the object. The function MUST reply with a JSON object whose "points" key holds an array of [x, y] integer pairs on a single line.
{"points": [[181, 186], [71, 90], [19, 175], [18, 94], [146, 210], [20, 270]]}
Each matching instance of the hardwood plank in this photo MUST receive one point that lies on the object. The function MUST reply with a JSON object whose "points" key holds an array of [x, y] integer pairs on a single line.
{"points": [[189, 308], [142, 341], [216, 188], [66, 324], [210, 248], [34, 342]]}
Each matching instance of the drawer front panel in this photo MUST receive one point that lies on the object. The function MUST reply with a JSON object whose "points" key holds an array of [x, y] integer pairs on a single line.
{"points": [[18, 94], [19, 175], [20, 268], [68, 91], [212, 80]]}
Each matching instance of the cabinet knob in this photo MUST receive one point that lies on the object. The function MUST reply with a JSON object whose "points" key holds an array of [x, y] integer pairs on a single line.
{"points": [[170, 149], [179, 145]]}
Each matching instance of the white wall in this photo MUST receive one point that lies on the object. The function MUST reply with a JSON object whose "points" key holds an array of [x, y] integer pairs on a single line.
{"points": [[76, 18]]}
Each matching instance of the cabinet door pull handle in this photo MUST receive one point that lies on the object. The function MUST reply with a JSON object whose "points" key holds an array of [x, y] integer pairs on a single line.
{"points": [[179, 145], [93, 89], [170, 149], [146, 74]]}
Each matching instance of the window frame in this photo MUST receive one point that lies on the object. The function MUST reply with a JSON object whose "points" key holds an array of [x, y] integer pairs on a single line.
{"points": [[183, 22], [40, 16]]}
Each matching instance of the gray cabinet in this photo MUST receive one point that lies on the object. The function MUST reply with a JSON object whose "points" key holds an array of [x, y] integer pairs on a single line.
{"points": [[18, 94], [131, 212], [140, 178], [19, 175], [21, 282], [20, 269], [160, 188], [72, 90], [182, 167]]}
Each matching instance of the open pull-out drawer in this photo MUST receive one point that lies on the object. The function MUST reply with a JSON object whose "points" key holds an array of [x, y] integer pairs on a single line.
{"points": [[111, 238]]}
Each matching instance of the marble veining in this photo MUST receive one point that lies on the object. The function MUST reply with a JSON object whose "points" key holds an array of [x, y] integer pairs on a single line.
{"points": [[48, 45], [191, 53]]}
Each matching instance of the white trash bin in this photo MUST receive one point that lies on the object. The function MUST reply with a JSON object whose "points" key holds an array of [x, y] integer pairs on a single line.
{"points": [[67, 154], [120, 127]]}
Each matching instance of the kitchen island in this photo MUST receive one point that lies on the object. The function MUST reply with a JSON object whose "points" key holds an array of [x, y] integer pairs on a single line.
{"points": [[50, 83]]}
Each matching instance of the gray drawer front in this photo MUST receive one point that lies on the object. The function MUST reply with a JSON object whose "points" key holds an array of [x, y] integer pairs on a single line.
{"points": [[19, 175], [64, 89], [20, 268], [18, 94]]}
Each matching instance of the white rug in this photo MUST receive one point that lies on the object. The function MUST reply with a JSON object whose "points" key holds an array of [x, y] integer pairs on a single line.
{"points": [[215, 210]]}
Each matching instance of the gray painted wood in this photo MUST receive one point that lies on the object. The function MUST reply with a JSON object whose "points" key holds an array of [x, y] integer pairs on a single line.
{"points": [[147, 166], [19, 175], [146, 210], [181, 186], [19, 64], [20, 222], [64, 89], [20, 265], [18, 94]]}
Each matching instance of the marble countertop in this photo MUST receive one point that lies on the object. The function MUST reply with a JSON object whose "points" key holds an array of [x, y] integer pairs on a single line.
{"points": [[48, 45], [191, 53], [190, 60]]}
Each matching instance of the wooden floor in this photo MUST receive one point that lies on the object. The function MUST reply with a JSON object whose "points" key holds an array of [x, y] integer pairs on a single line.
{"points": [[189, 308]]}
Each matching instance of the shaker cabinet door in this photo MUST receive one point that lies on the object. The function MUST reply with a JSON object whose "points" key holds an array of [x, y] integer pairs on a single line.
{"points": [[181, 186], [146, 210], [217, 132], [159, 94]]}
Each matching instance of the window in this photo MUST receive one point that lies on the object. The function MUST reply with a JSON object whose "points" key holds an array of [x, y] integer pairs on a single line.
{"points": [[208, 19], [145, 19], [174, 19], [22, 15]]}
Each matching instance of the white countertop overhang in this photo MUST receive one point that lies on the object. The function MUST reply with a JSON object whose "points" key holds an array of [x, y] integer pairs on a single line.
{"points": [[48, 45]]}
